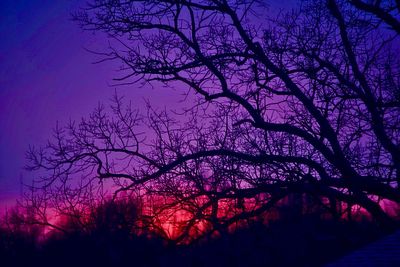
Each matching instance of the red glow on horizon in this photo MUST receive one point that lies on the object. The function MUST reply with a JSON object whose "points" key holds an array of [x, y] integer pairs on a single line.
{"points": [[181, 224]]}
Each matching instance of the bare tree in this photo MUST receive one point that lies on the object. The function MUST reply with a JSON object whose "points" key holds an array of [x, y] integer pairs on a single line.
{"points": [[303, 103], [385, 11]]}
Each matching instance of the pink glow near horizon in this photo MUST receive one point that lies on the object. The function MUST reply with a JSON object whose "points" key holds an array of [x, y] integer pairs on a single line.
{"points": [[171, 222]]}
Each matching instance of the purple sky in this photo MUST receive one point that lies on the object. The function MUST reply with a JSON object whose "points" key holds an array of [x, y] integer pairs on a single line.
{"points": [[46, 76]]}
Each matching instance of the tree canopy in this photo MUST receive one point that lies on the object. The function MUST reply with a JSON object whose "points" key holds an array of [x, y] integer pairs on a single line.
{"points": [[303, 101]]}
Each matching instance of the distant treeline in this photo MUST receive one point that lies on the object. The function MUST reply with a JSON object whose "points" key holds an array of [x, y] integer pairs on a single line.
{"points": [[115, 236]]}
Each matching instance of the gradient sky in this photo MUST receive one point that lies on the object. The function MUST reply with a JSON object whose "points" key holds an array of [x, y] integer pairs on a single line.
{"points": [[46, 76]]}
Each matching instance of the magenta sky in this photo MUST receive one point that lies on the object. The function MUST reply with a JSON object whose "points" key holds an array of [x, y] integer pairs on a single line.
{"points": [[46, 75]]}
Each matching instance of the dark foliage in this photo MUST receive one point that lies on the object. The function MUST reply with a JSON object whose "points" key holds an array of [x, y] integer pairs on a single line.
{"points": [[302, 241]]}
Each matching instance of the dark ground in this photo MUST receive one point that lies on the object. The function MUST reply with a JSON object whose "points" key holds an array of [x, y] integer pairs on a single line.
{"points": [[303, 242]]}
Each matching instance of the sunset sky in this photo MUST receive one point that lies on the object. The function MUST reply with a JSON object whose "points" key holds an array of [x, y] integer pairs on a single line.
{"points": [[46, 75], [250, 132]]}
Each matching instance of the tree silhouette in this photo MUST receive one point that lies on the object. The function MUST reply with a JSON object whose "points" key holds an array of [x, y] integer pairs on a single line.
{"points": [[304, 103]]}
